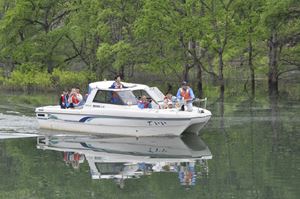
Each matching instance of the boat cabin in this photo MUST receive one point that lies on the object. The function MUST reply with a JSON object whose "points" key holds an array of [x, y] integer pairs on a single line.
{"points": [[100, 92]]}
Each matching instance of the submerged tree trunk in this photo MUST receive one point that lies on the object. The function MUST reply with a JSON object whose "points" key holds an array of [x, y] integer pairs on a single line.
{"points": [[273, 64], [221, 101], [274, 120]]}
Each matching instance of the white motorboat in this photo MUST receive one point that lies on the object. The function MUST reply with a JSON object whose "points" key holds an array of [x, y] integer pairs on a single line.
{"points": [[99, 114]]}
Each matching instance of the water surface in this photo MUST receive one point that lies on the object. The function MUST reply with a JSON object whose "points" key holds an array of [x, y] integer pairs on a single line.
{"points": [[254, 146]]}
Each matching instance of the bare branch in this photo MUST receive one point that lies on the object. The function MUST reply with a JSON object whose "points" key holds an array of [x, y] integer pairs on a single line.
{"points": [[70, 58], [79, 52], [290, 70], [291, 62]]}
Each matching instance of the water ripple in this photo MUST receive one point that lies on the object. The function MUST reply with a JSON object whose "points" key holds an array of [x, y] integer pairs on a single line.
{"points": [[17, 124]]}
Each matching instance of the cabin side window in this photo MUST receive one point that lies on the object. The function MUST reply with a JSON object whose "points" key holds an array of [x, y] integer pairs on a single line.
{"points": [[139, 93], [107, 97]]}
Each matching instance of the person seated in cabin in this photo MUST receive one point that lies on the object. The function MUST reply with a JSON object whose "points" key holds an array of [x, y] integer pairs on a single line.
{"points": [[117, 84], [63, 100], [168, 102], [144, 103], [115, 99], [185, 95]]}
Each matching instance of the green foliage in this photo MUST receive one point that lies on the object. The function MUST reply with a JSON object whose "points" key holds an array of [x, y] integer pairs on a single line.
{"points": [[70, 79], [32, 76], [1, 76], [117, 55], [166, 38], [29, 76]]}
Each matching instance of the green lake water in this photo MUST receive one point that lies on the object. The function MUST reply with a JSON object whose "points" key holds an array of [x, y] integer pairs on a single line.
{"points": [[255, 148]]}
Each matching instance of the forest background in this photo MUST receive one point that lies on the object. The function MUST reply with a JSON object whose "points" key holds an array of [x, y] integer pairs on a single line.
{"points": [[216, 45]]}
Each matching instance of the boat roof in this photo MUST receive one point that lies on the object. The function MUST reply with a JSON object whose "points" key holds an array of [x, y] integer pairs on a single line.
{"points": [[105, 85]]}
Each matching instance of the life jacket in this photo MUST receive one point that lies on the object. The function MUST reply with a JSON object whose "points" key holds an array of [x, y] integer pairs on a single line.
{"points": [[185, 94], [65, 156], [76, 156], [74, 99], [62, 99]]}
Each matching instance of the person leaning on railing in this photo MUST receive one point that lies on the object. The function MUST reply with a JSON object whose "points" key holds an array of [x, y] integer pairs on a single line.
{"points": [[185, 95]]}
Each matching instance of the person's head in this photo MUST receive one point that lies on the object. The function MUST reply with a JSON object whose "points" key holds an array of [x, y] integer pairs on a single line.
{"points": [[144, 98], [77, 90], [184, 85], [169, 96], [170, 104], [118, 78]]}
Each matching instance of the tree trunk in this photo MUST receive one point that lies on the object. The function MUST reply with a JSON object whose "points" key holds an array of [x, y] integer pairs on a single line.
{"points": [[273, 64], [122, 72], [199, 81], [186, 72], [221, 66], [251, 67], [213, 78]]}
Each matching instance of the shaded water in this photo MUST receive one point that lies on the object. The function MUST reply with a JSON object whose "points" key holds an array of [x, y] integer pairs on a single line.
{"points": [[253, 151]]}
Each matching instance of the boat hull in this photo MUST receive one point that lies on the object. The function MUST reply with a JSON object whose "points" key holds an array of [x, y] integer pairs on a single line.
{"points": [[139, 123]]}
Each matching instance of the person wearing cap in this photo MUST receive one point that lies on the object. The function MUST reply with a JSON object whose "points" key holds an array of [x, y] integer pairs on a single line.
{"points": [[185, 95]]}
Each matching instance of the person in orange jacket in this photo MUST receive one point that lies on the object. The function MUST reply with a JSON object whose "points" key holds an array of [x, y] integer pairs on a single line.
{"points": [[186, 95]]}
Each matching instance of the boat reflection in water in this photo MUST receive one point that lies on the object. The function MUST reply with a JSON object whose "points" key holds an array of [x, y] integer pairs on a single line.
{"points": [[121, 158]]}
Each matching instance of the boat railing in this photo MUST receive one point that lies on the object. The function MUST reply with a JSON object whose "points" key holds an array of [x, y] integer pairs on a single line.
{"points": [[199, 102]]}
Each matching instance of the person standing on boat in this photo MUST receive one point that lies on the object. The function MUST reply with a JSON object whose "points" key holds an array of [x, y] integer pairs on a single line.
{"points": [[185, 95], [117, 84], [143, 103]]}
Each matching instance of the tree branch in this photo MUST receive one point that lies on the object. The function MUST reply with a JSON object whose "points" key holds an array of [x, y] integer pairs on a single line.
{"points": [[286, 71], [79, 52], [34, 22], [291, 62]]}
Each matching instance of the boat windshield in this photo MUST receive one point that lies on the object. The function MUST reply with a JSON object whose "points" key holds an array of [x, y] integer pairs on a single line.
{"points": [[127, 97]]}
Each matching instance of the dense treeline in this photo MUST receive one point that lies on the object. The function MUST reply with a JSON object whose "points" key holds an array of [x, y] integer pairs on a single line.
{"points": [[42, 41]]}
